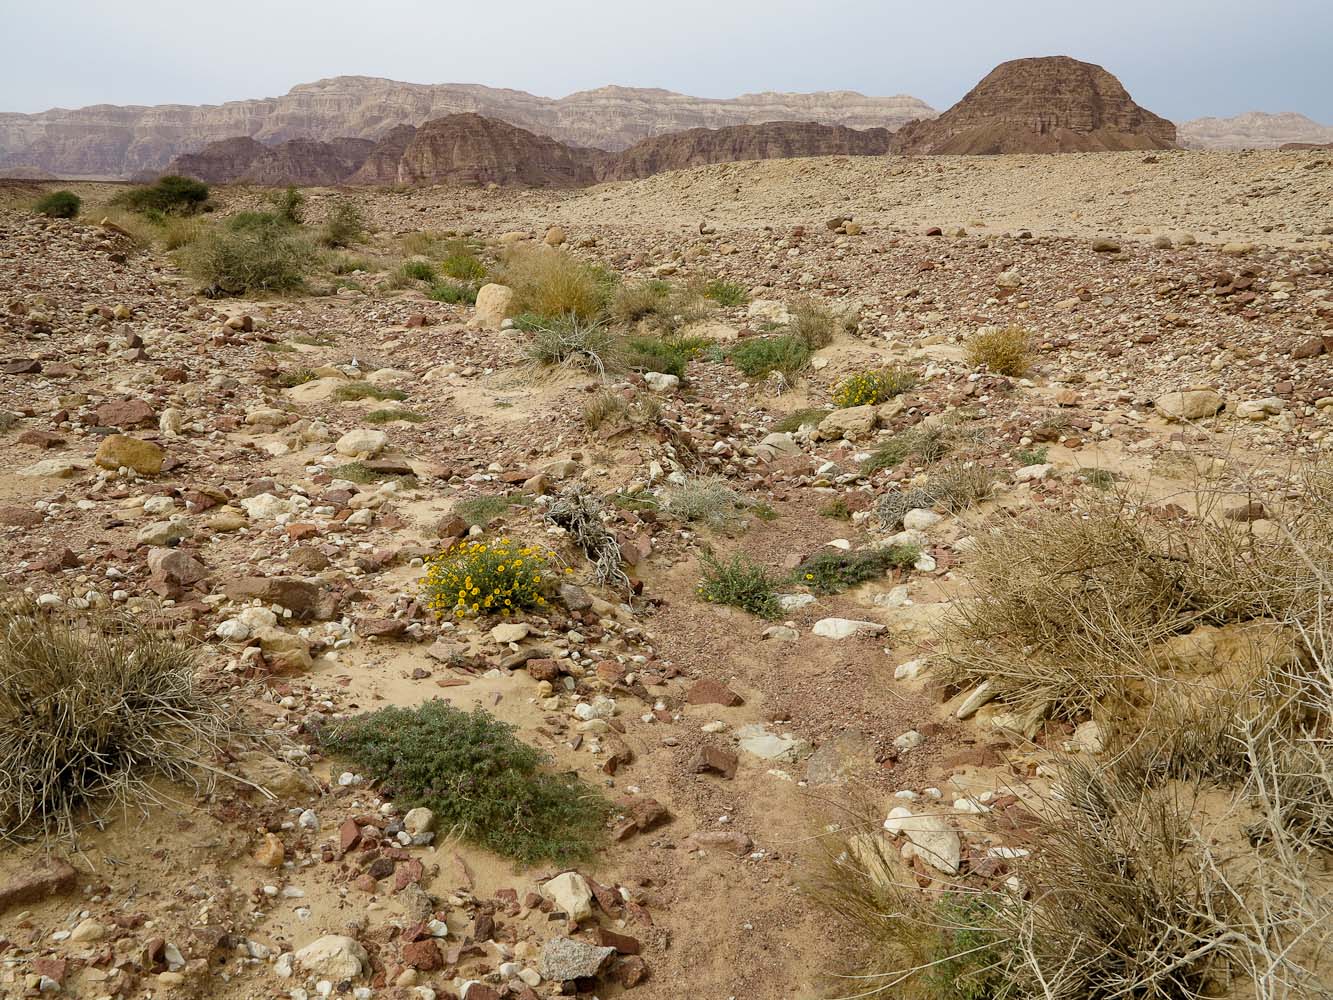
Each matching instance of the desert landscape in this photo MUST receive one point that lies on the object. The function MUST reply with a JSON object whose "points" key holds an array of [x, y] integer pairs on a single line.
{"points": [[461, 545]]}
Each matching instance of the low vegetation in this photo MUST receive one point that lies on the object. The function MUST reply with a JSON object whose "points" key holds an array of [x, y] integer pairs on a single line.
{"points": [[491, 577], [171, 195], [872, 387], [59, 205], [832, 571], [706, 499], [555, 286], [483, 784], [923, 444], [739, 583], [571, 342], [92, 709], [354, 391], [800, 418], [253, 257], [758, 357], [726, 293], [1002, 350], [344, 225]]}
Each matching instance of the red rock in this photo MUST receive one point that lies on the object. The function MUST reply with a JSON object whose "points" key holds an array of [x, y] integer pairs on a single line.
{"points": [[630, 971], [125, 413], [349, 835], [711, 692], [423, 956], [29, 887], [622, 943], [716, 760], [408, 872]]}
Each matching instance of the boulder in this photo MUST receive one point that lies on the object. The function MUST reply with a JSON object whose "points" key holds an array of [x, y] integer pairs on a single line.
{"points": [[1189, 404], [853, 423], [493, 305], [571, 893], [334, 957], [564, 959], [122, 451], [936, 842]]}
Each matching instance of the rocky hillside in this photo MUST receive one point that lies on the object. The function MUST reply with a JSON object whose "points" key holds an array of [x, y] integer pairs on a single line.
{"points": [[473, 149], [111, 141], [1254, 130], [767, 141], [1053, 104]]}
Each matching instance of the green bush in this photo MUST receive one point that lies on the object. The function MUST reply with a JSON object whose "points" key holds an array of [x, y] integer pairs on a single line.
{"points": [[872, 387], [832, 571], [265, 257], [344, 226], [453, 293], [637, 300], [417, 270], [739, 583], [171, 195], [726, 293], [247, 222], [289, 206], [59, 205], [924, 444], [659, 354], [758, 356], [461, 264], [479, 779]]}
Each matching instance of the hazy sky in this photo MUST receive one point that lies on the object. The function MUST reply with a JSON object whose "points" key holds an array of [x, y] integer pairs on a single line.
{"points": [[1179, 58]]}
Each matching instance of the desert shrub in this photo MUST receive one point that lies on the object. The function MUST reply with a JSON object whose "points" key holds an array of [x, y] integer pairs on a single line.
{"points": [[959, 485], [573, 343], [836, 509], [461, 264], [610, 406], [814, 323], [180, 231], [481, 511], [263, 258], [344, 263], [359, 472], [552, 284], [726, 293], [872, 387], [352, 391], [129, 225], [1101, 479], [92, 709], [925, 443], [740, 583], [579, 513], [59, 205], [344, 225], [707, 499], [800, 418], [417, 270], [637, 300], [389, 415], [1003, 350], [1024, 457], [288, 205], [757, 357], [293, 377], [832, 571], [493, 577], [243, 222], [169, 195], [453, 293], [426, 243], [894, 503], [656, 354], [480, 780]]}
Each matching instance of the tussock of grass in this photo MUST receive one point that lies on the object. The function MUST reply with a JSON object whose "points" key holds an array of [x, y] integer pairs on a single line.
{"points": [[390, 415], [707, 499], [92, 709], [606, 406], [352, 391], [573, 343], [453, 293], [359, 472], [814, 323], [480, 780], [59, 205], [958, 486], [266, 258], [726, 293], [551, 284], [800, 418], [757, 357], [481, 511], [1003, 350], [924, 444], [739, 583], [293, 377], [416, 270], [344, 225]]}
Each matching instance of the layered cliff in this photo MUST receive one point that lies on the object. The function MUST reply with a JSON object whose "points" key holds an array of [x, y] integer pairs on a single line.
{"points": [[112, 141], [1253, 130], [1046, 105]]}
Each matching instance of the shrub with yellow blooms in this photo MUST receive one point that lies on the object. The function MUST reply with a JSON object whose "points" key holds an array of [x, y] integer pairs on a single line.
{"points": [[496, 577], [865, 388]]}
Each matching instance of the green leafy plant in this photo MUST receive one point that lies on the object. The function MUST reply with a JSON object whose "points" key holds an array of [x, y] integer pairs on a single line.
{"points": [[345, 224], [726, 293], [1024, 457], [739, 583], [872, 387], [832, 571], [760, 356], [453, 293], [59, 205], [289, 205], [170, 195], [479, 779], [924, 444], [417, 270]]}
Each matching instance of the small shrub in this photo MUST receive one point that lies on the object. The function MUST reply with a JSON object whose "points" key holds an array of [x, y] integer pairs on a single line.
{"points": [[580, 514], [1024, 457], [836, 509], [488, 578], [266, 258], [654, 354], [181, 231], [350, 392], [1003, 350], [800, 418], [814, 323], [481, 511], [872, 387], [359, 472], [552, 284], [344, 225], [453, 293], [294, 377], [1100, 479], [461, 264], [602, 407], [924, 444], [344, 263], [573, 343], [289, 205], [417, 270], [708, 499], [726, 293], [960, 485], [91, 710], [243, 222], [59, 205], [739, 583], [757, 357], [423, 244], [833, 571], [169, 195], [479, 779], [390, 415], [637, 301], [893, 505]]}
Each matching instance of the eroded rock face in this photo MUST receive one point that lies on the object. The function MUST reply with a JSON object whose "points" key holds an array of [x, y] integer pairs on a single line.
{"points": [[298, 161], [111, 141], [472, 149], [1255, 130], [1054, 104], [219, 162], [768, 140], [381, 166]]}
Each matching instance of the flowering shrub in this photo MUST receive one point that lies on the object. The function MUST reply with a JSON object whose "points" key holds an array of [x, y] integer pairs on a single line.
{"points": [[488, 577], [872, 387]]}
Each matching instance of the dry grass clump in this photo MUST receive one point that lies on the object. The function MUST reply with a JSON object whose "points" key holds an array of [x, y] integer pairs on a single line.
{"points": [[707, 499], [262, 258], [550, 283], [571, 342], [814, 323], [658, 306], [579, 512], [957, 486], [611, 407], [91, 710], [1003, 350], [924, 444]]}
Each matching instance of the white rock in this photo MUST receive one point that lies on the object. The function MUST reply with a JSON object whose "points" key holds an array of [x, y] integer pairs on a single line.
{"points": [[361, 441], [845, 628], [661, 381], [334, 956], [920, 519], [493, 305], [570, 892], [1034, 473], [510, 632], [936, 842], [909, 740], [418, 820]]}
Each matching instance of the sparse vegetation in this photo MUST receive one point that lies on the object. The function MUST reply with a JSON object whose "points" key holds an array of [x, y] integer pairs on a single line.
{"points": [[872, 387], [925, 443], [800, 418], [787, 354], [171, 195], [260, 258], [490, 577], [1002, 350], [739, 583], [814, 323], [390, 415], [344, 225], [1024, 457], [573, 343], [555, 286], [94, 708], [481, 511], [353, 391], [289, 205], [59, 205], [959, 485], [417, 270], [480, 780], [726, 293], [707, 499], [831, 571], [579, 513], [362, 474], [453, 293]]}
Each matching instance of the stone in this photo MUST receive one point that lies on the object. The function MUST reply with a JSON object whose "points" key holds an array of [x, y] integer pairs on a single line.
{"points": [[715, 760], [555, 236], [55, 878], [271, 852], [122, 451], [304, 599], [845, 628], [936, 842], [770, 311], [570, 892], [494, 303], [87, 931], [53, 468], [661, 382], [508, 632], [1028, 474], [334, 957], [854, 423], [755, 739], [125, 413], [711, 692], [418, 820], [362, 442], [563, 959], [1103, 245], [1189, 404]]}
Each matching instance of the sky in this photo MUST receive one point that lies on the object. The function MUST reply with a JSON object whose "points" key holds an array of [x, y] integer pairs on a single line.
{"points": [[1179, 58]]}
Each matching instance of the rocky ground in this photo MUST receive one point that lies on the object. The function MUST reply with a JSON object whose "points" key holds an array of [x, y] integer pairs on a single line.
{"points": [[731, 741]]}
